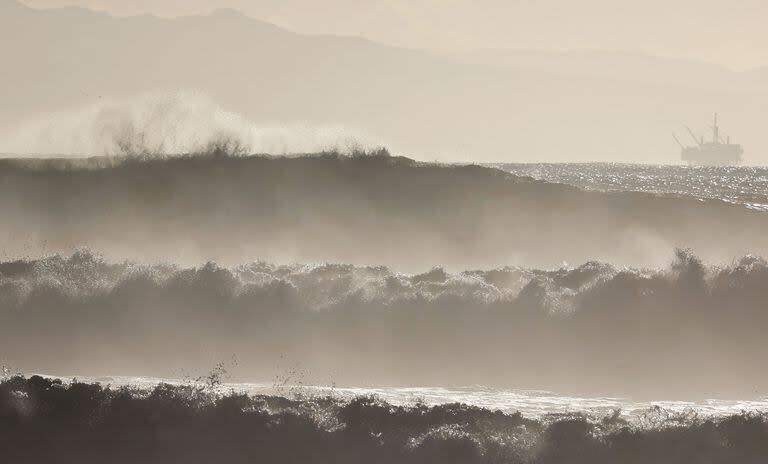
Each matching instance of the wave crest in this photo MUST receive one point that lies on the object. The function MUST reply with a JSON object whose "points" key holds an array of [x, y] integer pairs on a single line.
{"points": [[170, 124], [85, 274], [586, 329]]}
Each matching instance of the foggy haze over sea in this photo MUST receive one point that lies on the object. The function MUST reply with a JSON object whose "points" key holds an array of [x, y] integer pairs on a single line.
{"points": [[488, 105], [392, 232]]}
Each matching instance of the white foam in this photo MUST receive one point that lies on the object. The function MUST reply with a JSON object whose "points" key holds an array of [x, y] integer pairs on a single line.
{"points": [[530, 403]]}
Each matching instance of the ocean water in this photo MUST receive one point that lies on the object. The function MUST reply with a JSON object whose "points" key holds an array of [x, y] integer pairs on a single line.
{"points": [[47, 421], [741, 185], [532, 404], [602, 321], [595, 327]]}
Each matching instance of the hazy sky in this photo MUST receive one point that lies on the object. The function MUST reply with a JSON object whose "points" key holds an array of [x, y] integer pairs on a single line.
{"points": [[729, 33]]}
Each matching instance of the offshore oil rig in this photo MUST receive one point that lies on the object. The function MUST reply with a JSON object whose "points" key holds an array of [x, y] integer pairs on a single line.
{"points": [[718, 152]]}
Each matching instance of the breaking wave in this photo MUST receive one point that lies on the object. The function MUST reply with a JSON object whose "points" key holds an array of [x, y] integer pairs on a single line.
{"points": [[44, 420], [368, 208], [620, 329], [168, 124], [85, 275]]}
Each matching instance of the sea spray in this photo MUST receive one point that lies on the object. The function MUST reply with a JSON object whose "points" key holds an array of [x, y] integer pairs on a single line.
{"points": [[155, 124]]}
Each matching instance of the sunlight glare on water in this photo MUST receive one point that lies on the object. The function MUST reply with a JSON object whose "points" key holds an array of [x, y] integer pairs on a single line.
{"points": [[741, 185]]}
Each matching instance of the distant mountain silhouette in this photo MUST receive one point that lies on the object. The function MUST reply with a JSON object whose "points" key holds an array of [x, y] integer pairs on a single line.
{"points": [[490, 106], [630, 66]]}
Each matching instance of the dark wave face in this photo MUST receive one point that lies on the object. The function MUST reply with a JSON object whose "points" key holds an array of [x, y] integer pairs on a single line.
{"points": [[688, 330], [44, 420], [367, 209]]}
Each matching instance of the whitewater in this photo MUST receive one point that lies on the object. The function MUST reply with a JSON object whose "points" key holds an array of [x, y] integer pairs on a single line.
{"points": [[534, 404]]}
